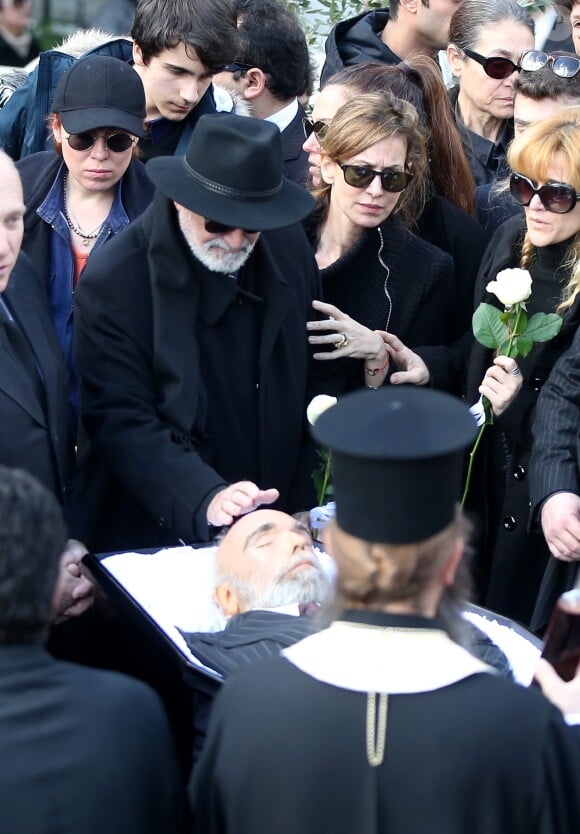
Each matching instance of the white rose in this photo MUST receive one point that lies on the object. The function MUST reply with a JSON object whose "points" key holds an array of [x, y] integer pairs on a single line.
{"points": [[317, 405], [511, 286]]}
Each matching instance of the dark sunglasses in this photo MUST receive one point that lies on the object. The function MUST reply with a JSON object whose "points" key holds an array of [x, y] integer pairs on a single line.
{"points": [[495, 67], [557, 197], [115, 142], [359, 176], [319, 129], [215, 228], [564, 66]]}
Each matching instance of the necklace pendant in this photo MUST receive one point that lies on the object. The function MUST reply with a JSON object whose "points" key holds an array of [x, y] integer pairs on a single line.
{"points": [[86, 241]]}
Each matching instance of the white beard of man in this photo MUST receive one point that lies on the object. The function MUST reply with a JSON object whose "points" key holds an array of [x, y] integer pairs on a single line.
{"points": [[308, 584], [216, 255]]}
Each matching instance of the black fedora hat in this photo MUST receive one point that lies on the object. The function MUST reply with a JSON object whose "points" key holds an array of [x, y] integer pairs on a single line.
{"points": [[232, 173], [100, 91], [398, 456]]}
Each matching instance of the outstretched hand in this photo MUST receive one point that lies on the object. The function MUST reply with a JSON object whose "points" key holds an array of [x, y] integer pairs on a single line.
{"points": [[412, 370], [236, 500], [347, 336]]}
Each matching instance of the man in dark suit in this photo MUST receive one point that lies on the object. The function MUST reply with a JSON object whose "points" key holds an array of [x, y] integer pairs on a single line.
{"points": [[267, 570], [81, 751], [555, 479], [191, 347], [271, 71], [35, 434]]}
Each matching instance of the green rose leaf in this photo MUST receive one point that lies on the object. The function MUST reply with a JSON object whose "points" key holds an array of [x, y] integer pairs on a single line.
{"points": [[544, 326], [522, 322], [524, 346], [488, 328]]}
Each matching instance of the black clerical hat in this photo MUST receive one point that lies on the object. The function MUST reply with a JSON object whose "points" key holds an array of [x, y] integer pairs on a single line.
{"points": [[397, 461]]}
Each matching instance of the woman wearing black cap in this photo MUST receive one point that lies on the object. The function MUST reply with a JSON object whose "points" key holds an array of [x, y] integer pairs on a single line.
{"points": [[90, 187], [382, 723]]}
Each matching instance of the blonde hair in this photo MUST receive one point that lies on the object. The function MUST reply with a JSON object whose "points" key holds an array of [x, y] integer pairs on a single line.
{"points": [[532, 154], [368, 119], [373, 574]]}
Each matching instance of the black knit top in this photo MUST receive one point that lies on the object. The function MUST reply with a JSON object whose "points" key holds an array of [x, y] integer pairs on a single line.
{"points": [[391, 276]]}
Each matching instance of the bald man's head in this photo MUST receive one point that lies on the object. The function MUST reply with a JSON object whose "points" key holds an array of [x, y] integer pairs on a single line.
{"points": [[266, 560], [11, 218]]}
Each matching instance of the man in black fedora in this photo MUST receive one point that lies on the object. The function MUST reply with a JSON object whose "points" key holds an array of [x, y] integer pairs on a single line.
{"points": [[191, 347]]}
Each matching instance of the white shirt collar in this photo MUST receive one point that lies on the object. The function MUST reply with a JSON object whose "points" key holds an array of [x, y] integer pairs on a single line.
{"points": [[283, 117]]}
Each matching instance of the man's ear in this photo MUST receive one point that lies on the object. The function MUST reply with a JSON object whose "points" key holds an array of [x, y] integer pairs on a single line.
{"points": [[227, 599], [138, 55], [255, 83], [410, 6]]}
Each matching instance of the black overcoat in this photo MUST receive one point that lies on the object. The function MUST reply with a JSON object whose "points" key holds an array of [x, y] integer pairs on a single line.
{"points": [[554, 466], [145, 455], [510, 558], [34, 430], [82, 751]]}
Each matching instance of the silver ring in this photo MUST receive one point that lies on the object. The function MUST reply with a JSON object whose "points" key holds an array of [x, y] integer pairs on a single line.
{"points": [[515, 371], [342, 342]]}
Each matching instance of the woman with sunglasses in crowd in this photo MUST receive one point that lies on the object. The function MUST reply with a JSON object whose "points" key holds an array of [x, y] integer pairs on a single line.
{"points": [[444, 219], [486, 41], [90, 187], [376, 274], [545, 179]]}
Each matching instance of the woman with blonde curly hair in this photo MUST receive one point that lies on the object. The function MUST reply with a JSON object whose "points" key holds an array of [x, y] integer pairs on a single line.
{"points": [[376, 274], [545, 179]]}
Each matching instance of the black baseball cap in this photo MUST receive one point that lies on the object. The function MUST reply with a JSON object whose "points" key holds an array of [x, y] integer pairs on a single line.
{"points": [[100, 91]]}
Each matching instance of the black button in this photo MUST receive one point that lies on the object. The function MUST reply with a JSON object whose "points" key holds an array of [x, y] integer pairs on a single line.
{"points": [[536, 383], [509, 523], [161, 522], [519, 473]]}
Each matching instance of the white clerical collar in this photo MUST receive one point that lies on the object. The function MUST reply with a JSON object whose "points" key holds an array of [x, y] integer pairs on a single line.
{"points": [[393, 660], [283, 117]]}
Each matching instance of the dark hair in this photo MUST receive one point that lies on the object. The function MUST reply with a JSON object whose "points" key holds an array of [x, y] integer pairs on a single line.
{"points": [[394, 8], [32, 539], [271, 38], [207, 26], [418, 81], [474, 16], [544, 83]]}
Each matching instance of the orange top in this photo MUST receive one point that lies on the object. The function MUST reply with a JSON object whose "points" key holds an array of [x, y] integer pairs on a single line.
{"points": [[80, 261]]}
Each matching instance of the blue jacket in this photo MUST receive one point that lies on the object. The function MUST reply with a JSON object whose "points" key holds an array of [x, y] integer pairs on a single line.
{"points": [[23, 128], [47, 237]]}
